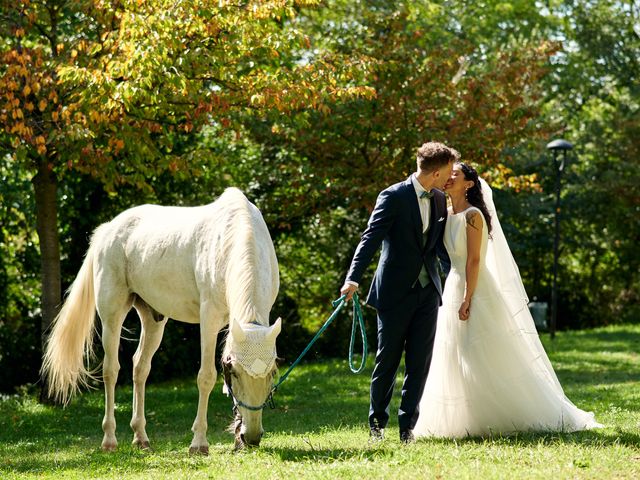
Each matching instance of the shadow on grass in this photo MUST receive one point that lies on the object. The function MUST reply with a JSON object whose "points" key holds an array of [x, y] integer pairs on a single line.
{"points": [[175, 458], [170, 411], [594, 438], [168, 456], [306, 451]]}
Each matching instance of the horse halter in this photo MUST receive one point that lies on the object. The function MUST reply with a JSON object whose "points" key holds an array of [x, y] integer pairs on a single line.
{"points": [[226, 370]]}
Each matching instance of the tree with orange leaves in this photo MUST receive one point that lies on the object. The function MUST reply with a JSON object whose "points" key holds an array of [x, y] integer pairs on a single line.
{"points": [[108, 88]]}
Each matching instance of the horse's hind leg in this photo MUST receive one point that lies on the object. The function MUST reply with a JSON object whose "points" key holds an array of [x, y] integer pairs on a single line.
{"points": [[150, 338], [113, 305]]}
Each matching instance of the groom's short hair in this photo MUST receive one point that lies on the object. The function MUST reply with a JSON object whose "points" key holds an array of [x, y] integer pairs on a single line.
{"points": [[433, 155]]}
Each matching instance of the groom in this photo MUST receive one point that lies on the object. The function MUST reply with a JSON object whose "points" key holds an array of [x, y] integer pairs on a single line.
{"points": [[408, 221]]}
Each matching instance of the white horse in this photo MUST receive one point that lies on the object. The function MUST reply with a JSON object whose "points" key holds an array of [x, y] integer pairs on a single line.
{"points": [[211, 265]]}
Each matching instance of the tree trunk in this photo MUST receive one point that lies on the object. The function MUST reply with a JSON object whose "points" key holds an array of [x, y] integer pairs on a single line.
{"points": [[45, 186]]}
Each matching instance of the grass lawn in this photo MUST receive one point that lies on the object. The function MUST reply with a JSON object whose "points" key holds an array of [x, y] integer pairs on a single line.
{"points": [[318, 429]]}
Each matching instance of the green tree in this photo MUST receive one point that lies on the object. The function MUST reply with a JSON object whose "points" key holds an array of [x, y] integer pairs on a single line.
{"points": [[432, 81], [592, 99], [596, 103], [19, 281]]}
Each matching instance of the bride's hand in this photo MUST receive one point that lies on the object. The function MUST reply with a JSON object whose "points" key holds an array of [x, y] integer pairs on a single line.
{"points": [[463, 312]]}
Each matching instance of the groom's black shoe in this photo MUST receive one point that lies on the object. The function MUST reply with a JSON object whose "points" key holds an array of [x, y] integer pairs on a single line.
{"points": [[406, 437], [376, 432]]}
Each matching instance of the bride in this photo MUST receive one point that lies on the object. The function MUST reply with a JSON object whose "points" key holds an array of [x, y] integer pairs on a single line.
{"points": [[489, 373]]}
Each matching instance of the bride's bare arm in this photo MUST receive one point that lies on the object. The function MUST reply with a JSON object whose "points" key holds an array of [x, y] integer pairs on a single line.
{"points": [[474, 241]]}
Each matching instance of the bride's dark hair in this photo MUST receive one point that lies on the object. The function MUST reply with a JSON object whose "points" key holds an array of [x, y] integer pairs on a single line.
{"points": [[474, 194]]}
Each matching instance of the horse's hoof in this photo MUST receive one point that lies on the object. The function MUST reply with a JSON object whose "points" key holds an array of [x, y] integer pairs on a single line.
{"points": [[201, 450], [142, 445], [109, 447]]}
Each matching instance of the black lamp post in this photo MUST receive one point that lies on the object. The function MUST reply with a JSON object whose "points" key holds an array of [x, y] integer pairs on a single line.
{"points": [[557, 146]]}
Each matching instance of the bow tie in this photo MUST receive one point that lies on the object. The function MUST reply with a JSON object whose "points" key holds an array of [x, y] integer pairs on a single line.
{"points": [[426, 194]]}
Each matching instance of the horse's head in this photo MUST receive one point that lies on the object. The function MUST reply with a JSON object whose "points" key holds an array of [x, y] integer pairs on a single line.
{"points": [[249, 368]]}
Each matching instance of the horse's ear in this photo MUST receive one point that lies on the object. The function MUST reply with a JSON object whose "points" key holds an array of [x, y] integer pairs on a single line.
{"points": [[275, 328], [236, 332]]}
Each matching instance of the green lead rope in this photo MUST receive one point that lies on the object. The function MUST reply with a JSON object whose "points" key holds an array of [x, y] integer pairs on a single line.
{"points": [[358, 322]]}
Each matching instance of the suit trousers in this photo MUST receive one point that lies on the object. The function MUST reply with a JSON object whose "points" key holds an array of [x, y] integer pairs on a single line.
{"points": [[408, 327]]}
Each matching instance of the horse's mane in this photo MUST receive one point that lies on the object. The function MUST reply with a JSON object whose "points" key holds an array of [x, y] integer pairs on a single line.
{"points": [[239, 251]]}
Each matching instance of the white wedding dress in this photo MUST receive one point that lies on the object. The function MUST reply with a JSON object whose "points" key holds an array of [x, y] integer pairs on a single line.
{"points": [[490, 375]]}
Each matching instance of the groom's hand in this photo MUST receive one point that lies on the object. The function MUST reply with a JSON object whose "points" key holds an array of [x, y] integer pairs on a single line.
{"points": [[348, 289]]}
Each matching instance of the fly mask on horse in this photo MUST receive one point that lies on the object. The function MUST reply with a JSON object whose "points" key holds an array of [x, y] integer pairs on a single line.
{"points": [[249, 355]]}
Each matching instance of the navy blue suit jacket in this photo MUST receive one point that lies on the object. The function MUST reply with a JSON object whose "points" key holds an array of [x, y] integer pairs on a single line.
{"points": [[396, 224]]}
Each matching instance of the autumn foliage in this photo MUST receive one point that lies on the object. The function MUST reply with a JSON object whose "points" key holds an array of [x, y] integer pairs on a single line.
{"points": [[108, 87]]}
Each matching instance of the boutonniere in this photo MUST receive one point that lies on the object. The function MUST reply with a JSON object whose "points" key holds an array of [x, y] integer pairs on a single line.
{"points": [[441, 219]]}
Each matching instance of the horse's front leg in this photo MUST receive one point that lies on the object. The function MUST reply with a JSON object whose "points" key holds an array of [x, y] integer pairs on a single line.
{"points": [[206, 381], [150, 338]]}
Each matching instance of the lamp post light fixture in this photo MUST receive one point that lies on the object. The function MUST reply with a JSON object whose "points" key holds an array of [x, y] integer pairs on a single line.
{"points": [[557, 146]]}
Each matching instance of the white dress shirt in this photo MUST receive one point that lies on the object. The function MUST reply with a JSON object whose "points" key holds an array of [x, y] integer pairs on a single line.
{"points": [[423, 203]]}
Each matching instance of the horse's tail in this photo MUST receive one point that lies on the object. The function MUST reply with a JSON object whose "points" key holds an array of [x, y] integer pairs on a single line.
{"points": [[71, 337]]}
